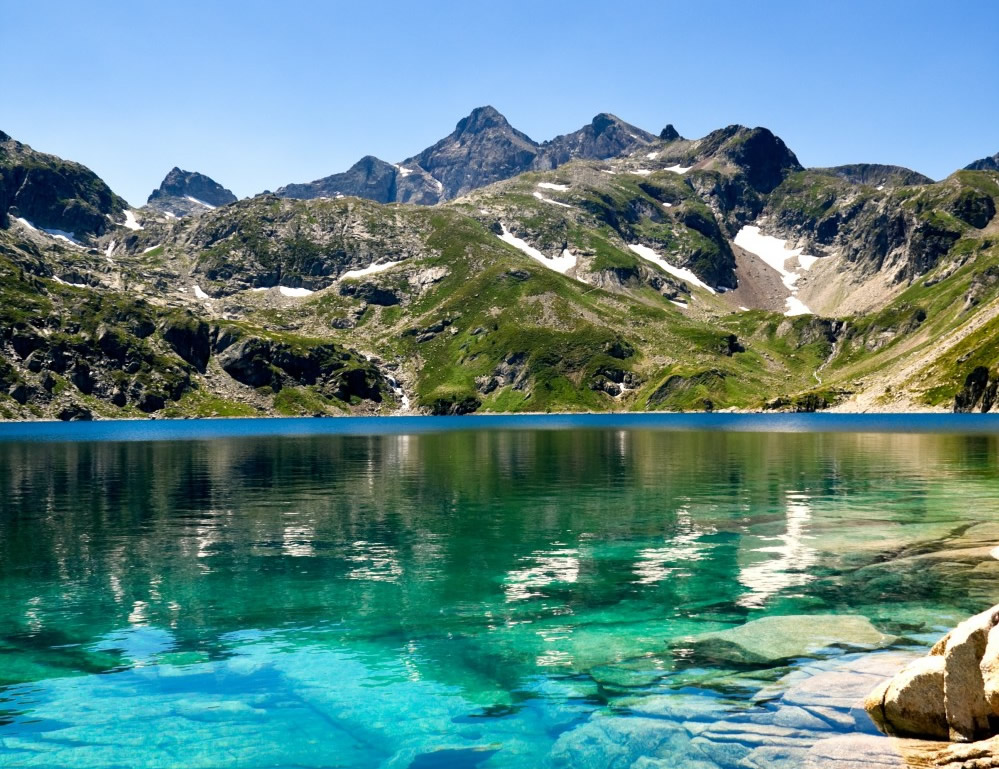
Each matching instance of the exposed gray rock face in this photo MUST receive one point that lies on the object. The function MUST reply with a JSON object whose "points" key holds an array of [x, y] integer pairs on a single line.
{"points": [[53, 193], [944, 695], [373, 179], [985, 164], [979, 392], [605, 136], [483, 148], [669, 134], [186, 192], [877, 175]]}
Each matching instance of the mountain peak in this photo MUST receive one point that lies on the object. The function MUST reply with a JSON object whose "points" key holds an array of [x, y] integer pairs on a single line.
{"points": [[603, 121], [985, 164], [480, 119], [191, 184], [669, 134]]}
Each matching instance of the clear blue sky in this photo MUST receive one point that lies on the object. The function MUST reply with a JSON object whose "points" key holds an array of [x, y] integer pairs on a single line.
{"points": [[260, 94]]}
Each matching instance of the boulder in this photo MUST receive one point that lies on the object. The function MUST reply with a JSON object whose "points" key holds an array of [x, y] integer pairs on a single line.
{"points": [[912, 703], [950, 694], [772, 639]]}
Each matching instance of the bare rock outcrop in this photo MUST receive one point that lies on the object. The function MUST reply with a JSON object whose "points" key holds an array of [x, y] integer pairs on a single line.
{"points": [[953, 693]]}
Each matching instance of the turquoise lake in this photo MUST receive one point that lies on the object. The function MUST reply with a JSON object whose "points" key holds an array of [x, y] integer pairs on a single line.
{"points": [[471, 592]]}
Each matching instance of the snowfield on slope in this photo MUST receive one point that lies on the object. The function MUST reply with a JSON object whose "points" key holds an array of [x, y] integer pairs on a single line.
{"points": [[371, 269], [677, 272], [773, 251], [561, 264]]}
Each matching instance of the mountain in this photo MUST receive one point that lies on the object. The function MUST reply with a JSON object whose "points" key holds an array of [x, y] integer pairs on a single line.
{"points": [[484, 148], [186, 192], [985, 164], [876, 175], [50, 193], [373, 179], [675, 274], [605, 136]]}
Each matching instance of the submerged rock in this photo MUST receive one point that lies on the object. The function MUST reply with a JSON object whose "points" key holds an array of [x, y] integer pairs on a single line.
{"points": [[772, 639]]}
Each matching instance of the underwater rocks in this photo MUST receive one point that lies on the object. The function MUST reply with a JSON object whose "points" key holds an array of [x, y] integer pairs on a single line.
{"points": [[953, 693], [773, 639]]}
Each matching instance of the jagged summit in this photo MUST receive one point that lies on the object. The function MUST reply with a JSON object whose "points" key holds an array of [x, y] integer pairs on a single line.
{"points": [[482, 119], [603, 137], [985, 164], [669, 134], [183, 192], [374, 179]]}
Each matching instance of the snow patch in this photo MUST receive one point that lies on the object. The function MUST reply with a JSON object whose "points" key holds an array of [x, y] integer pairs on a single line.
{"points": [[131, 223], [678, 169], [404, 171], [209, 206], [608, 171], [170, 214], [200, 294], [440, 187], [539, 196], [552, 186], [561, 264], [295, 292], [67, 283], [643, 172], [652, 155], [151, 248], [109, 251], [258, 289], [681, 305], [677, 272], [667, 205], [58, 234], [773, 251], [371, 269]]}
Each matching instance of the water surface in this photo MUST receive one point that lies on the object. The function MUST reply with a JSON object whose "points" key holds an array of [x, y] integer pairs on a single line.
{"points": [[491, 597]]}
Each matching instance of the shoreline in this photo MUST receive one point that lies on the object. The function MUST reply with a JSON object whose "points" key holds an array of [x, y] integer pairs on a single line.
{"points": [[205, 428]]}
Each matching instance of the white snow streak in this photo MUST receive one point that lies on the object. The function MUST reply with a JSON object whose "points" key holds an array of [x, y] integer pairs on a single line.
{"points": [[109, 251], [200, 294], [131, 222], [151, 248], [200, 202], [652, 155], [296, 292], [404, 171], [678, 169], [561, 264], [74, 285], [678, 272], [371, 269], [539, 196], [643, 172], [551, 186]]}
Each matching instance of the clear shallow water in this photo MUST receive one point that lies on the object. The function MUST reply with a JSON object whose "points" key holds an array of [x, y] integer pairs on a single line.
{"points": [[488, 597]]}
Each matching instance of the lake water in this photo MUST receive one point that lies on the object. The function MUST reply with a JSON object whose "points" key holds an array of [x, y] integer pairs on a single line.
{"points": [[399, 593]]}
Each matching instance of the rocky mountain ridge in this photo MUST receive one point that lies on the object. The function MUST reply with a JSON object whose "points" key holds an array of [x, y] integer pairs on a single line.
{"points": [[186, 192], [484, 148], [675, 274]]}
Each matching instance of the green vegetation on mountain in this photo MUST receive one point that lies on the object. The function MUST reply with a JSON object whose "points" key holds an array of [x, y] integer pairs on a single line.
{"points": [[605, 284]]}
